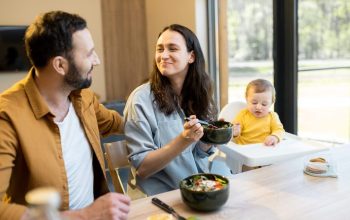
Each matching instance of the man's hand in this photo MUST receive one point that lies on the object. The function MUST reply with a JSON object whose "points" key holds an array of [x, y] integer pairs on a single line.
{"points": [[113, 206]]}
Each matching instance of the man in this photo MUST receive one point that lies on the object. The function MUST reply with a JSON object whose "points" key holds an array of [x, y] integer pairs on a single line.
{"points": [[50, 125]]}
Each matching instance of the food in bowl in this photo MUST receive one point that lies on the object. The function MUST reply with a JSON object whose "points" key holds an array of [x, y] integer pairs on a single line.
{"points": [[217, 132], [205, 191], [201, 183]]}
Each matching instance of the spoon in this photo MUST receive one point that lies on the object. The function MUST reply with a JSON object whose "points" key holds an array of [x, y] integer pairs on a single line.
{"points": [[202, 123]]}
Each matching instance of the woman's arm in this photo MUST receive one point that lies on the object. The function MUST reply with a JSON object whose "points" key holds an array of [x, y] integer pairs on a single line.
{"points": [[156, 160]]}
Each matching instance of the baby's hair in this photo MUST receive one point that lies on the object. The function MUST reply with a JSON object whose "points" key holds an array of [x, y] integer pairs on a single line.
{"points": [[261, 85]]}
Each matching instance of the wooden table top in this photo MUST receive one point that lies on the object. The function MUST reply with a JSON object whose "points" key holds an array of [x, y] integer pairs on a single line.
{"points": [[280, 191]]}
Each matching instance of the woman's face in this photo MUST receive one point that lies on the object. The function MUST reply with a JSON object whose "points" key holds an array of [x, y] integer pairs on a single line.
{"points": [[172, 57]]}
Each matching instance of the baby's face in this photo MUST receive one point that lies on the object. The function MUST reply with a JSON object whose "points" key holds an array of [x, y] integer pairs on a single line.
{"points": [[259, 103]]}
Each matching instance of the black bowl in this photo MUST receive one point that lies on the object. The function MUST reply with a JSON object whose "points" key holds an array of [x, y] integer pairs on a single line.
{"points": [[204, 201], [220, 135]]}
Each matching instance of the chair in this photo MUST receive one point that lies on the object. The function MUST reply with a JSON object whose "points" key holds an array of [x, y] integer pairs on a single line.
{"points": [[119, 107], [117, 158], [228, 113]]}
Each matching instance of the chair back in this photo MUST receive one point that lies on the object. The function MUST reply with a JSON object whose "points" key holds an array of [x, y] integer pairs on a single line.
{"points": [[229, 111], [117, 157], [116, 154]]}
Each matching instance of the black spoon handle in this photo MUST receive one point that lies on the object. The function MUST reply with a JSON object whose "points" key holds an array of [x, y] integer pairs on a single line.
{"points": [[167, 208], [162, 205], [203, 123]]}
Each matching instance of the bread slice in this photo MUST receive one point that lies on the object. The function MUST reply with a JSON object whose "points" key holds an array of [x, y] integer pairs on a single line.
{"points": [[318, 159], [317, 167]]}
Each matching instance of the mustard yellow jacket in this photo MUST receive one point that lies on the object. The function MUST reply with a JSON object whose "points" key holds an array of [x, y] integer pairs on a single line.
{"points": [[30, 148]]}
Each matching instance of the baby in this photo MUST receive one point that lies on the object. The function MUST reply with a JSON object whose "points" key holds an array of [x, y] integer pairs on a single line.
{"points": [[256, 123]]}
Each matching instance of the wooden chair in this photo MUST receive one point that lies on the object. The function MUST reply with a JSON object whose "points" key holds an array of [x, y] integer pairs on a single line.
{"points": [[117, 158]]}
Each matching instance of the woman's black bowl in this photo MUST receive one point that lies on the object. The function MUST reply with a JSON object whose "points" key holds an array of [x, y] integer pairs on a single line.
{"points": [[204, 200], [220, 135]]}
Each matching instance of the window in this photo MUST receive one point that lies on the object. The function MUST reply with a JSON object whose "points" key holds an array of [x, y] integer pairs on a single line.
{"points": [[324, 70], [250, 45], [317, 41]]}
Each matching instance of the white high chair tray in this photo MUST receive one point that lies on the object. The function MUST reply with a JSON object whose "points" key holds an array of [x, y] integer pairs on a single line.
{"points": [[259, 155]]}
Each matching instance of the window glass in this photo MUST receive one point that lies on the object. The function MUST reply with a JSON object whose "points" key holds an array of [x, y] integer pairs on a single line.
{"points": [[324, 69], [250, 37]]}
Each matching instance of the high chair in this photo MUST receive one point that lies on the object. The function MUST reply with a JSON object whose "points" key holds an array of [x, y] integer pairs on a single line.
{"points": [[228, 113]]}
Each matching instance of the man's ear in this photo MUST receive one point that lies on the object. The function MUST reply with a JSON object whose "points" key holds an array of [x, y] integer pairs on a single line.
{"points": [[60, 64]]}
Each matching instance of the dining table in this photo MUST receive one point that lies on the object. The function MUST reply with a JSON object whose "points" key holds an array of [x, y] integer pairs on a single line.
{"points": [[278, 191]]}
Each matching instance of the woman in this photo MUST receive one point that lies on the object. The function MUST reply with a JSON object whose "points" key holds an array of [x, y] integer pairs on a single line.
{"points": [[163, 147]]}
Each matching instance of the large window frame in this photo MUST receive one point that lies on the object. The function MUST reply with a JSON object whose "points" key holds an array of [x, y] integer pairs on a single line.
{"points": [[284, 54], [286, 71]]}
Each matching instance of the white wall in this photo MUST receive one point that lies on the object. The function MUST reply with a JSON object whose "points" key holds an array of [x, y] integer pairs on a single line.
{"points": [[23, 12], [161, 13]]}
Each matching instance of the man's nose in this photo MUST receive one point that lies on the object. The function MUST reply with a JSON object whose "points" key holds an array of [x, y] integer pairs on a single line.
{"points": [[96, 60]]}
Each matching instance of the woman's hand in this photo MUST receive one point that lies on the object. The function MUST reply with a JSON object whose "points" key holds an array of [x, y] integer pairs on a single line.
{"points": [[192, 129]]}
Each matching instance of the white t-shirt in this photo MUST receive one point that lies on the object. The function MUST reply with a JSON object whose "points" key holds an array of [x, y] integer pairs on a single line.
{"points": [[77, 157]]}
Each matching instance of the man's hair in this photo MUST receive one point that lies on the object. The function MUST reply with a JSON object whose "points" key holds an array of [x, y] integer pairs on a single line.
{"points": [[197, 91], [261, 85], [50, 35]]}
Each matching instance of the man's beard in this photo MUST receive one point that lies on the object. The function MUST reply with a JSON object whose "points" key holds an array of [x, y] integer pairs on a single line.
{"points": [[74, 79]]}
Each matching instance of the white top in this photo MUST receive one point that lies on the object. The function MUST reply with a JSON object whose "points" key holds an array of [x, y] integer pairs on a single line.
{"points": [[78, 161]]}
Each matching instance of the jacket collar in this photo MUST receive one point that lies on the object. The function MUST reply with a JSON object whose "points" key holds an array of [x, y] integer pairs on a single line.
{"points": [[37, 102]]}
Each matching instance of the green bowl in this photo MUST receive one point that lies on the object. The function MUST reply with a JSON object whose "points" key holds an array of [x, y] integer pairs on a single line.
{"points": [[204, 201], [220, 135]]}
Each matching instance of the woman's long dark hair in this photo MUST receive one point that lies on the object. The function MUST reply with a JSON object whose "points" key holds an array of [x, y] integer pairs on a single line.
{"points": [[197, 91]]}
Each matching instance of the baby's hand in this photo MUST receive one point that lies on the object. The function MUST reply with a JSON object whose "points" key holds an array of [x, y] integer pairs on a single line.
{"points": [[271, 140], [236, 129]]}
